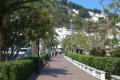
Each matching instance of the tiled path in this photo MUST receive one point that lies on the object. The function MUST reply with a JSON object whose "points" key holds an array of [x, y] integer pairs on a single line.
{"points": [[61, 69]]}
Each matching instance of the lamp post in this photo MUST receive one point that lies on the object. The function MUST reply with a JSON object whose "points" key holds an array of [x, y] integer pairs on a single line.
{"points": [[38, 55], [38, 48]]}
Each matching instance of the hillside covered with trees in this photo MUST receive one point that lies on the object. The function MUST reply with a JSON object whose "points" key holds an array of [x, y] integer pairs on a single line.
{"points": [[65, 13]]}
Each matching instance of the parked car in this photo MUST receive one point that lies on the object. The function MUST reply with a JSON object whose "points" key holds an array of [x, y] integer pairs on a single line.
{"points": [[24, 52]]}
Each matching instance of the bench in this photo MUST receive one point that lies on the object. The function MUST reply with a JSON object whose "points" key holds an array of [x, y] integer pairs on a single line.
{"points": [[45, 63]]}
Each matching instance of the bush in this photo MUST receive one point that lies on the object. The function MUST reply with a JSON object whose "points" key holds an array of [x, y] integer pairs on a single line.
{"points": [[115, 52], [97, 52], [17, 70], [44, 56], [20, 69], [81, 58], [108, 64]]}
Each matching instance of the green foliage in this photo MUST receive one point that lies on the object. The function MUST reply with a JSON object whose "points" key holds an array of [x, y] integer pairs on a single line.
{"points": [[114, 6], [84, 13], [17, 70], [4, 71], [20, 69], [96, 11], [78, 40], [115, 52], [51, 42], [24, 20], [97, 52], [63, 2], [112, 42], [44, 56], [75, 6], [43, 59], [98, 62], [62, 13], [81, 58], [108, 64], [67, 43]]}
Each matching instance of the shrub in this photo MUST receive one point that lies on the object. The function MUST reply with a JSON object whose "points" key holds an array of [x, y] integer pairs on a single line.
{"points": [[4, 71], [97, 52], [20, 69], [81, 58], [17, 70], [115, 52], [98, 62], [108, 64], [44, 56]]}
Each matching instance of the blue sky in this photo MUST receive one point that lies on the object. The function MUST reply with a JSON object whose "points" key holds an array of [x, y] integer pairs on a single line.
{"points": [[90, 4]]}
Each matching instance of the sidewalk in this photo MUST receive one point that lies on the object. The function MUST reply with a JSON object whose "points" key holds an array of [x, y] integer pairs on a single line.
{"points": [[61, 69]]}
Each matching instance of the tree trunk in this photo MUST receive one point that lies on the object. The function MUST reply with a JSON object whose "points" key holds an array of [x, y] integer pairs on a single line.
{"points": [[104, 40], [43, 45], [0, 44], [1, 36], [34, 48]]}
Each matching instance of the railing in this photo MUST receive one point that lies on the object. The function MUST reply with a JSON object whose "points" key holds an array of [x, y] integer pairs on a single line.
{"points": [[98, 74], [115, 77]]}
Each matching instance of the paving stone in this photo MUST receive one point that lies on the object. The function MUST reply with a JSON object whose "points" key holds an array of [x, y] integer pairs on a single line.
{"points": [[61, 69]]}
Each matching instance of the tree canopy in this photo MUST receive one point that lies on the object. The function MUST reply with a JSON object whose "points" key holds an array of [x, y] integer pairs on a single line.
{"points": [[22, 21]]}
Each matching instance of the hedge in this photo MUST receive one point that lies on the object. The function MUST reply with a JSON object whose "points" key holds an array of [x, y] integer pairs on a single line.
{"points": [[110, 65], [44, 56], [19, 69]]}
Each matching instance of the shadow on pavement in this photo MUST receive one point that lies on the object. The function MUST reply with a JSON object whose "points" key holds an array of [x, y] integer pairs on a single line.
{"points": [[54, 72]]}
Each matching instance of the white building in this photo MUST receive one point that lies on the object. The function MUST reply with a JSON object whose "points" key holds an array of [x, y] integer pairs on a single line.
{"points": [[118, 24], [95, 16], [62, 33], [75, 11]]}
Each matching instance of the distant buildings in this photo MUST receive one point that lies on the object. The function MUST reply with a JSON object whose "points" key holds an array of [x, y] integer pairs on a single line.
{"points": [[62, 33], [75, 11], [118, 24], [95, 16], [110, 34]]}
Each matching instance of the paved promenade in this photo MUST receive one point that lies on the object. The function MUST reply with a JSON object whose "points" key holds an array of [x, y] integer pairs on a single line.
{"points": [[61, 69]]}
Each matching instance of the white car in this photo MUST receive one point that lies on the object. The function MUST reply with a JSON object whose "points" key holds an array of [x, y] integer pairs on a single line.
{"points": [[22, 53]]}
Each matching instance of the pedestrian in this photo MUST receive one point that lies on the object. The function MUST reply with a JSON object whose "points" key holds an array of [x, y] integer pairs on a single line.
{"points": [[55, 53]]}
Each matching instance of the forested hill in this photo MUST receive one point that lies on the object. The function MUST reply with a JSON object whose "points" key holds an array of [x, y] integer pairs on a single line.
{"points": [[65, 13]]}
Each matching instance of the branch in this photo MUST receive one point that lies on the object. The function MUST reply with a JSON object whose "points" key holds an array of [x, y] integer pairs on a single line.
{"points": [[102, 5]]}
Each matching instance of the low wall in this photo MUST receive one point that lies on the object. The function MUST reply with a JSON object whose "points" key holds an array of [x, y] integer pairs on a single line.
{"points": [[115, 77], [98, 74]]}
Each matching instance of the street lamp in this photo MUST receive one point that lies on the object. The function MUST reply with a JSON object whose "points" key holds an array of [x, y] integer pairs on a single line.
{"points": [[38, 55], [38, 47]]}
